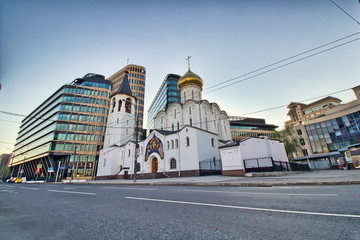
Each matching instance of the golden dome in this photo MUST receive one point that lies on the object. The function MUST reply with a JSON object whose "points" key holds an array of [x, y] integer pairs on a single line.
{"points": [[190, 78]]}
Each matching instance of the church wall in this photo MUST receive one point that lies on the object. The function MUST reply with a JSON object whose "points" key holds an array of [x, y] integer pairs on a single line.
{"points": [[278, 151], [192, 92], [232, 161], [171, 152], [174, 119], [207, 152], [109, 163], [254, 148], [188, 154]]}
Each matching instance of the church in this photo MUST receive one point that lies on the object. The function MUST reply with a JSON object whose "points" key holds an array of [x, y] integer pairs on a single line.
{"points": [[185, 141]]}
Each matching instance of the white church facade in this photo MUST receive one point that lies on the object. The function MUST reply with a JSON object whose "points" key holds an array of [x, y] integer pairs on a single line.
{"points": [[185, 141]]}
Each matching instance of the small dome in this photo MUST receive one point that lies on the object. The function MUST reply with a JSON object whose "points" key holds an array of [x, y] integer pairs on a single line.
{"points": [[190, 78]]}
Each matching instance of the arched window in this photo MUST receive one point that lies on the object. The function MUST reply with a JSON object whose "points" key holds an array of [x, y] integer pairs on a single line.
{"points": [[192, 93], [113, 105], [189, 109], [174, 113], [184, 96], [212, 142], [172, 144], [190, 122], [187, 141], [172, 127], [172, 163], [178, 126], [129, 153], [119, 105], [128, 105], [138, 167], [176, 143], [167, 145]]}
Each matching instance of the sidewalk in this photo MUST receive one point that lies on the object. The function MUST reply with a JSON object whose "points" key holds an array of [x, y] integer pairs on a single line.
{"points": [[324, 177]]}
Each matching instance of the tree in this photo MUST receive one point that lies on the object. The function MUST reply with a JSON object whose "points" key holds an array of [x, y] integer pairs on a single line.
{"points": [[291, 142]]}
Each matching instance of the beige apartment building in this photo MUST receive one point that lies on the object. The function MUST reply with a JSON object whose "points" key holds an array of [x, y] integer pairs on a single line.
{"points": [[137, 76]]}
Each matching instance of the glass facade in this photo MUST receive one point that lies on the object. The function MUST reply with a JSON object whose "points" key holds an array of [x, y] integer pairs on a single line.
{"points": [[331, 135], [73, 117], [166, 95]]}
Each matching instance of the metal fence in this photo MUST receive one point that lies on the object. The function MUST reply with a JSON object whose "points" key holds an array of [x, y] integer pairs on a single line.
{"points": [[210, 167]]}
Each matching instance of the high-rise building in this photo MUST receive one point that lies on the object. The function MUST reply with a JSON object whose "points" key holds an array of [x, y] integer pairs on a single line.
{"points": [[336, 127], [299, 112], [167, 94], [243, 128], [136, 78], [67, 127]]}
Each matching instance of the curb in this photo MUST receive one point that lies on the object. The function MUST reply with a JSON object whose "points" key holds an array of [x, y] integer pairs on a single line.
{"points": [[229, 184]]}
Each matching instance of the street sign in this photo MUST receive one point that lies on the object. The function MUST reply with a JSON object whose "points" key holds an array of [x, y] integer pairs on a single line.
{"points": [[62, 167], [39, 165], [51, 169]]}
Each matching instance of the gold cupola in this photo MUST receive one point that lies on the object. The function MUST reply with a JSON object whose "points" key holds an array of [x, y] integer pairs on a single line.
{"points": [[190, 78]]}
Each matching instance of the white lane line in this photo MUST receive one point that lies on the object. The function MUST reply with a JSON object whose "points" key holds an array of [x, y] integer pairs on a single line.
{"points": [[247, 208], [69, 188], [10, 186], [261, 193], [85, 193], [30, 188], [150, 189]]}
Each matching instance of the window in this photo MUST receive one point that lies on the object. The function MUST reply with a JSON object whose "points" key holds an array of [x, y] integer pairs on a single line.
{"points": [[178, 126], [212, 142], [167, 145], [104, 162], [174, 113], [172, 163], [138, 167], [176, 143], [189, 109], [129, 153], [187, 141], [119, 105], [172, 127], [192, 93], [172, 144], [128, 105], [190, 122], [113, 105]]}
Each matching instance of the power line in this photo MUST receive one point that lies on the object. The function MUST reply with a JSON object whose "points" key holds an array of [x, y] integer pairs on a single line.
{"points": [[284, 65], [345, 12], [283, 60]]}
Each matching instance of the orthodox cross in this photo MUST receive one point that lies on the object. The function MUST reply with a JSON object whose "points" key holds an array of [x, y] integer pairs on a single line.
{"points": [[188, 60]]}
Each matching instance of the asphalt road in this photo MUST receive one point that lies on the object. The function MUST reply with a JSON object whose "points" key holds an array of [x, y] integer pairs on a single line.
{"points": [[58, 211]]}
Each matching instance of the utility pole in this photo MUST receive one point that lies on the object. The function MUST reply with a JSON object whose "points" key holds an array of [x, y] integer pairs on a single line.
{"points": [[136, 140], [73, 166], [22, 168]]}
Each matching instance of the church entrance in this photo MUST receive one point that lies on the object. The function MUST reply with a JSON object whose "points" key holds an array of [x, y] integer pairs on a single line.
{"points": [[154, 165]]}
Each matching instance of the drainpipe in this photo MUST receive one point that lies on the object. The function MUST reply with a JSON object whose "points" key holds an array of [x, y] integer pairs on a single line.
{"points": [[179, 153]]}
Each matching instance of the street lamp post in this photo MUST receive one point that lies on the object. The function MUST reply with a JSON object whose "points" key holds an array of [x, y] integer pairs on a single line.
{"points": [[73, 166], [136, 141]]}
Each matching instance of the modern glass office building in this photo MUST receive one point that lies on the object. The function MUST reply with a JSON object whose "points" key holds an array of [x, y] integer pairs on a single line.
{"points": [[67, 127], [333, 134], [167, 94]]}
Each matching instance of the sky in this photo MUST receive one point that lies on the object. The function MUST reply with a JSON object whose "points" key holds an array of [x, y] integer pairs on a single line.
{"points": [[45, 44]]}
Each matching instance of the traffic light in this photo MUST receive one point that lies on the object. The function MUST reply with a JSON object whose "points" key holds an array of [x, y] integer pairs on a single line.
{"points": [[37, 170]]}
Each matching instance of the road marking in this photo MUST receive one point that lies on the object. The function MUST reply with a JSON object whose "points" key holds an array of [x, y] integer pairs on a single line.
{"points": [[278, 194], [247, 208], [10, 186], [29, 188], [151, 189], [69, 188], [85, 193]]}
